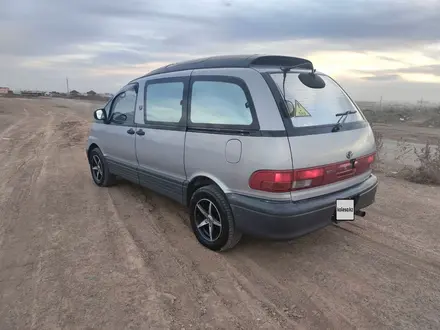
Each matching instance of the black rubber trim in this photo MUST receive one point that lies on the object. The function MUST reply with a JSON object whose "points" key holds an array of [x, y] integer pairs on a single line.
{"points": [[164, 185], [162, 127], [235, 132], [185, 196], [279, 133], [325, 129], [254, 126], [301, 207], [123, 170]]}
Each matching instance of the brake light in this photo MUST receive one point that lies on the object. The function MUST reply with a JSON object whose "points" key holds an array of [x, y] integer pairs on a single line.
{"points": [[307, 178], [285, 181], [290, 180], [309, 174], [274, 181]]}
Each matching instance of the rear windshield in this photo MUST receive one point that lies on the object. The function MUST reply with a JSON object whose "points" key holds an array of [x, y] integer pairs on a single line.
{"points": [[311, 107]]}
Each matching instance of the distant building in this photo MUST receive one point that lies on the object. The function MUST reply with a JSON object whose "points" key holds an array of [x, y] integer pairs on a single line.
{"points": [[74, 93], [4, 90], [32, 93], [107, 95], [91, 93]]}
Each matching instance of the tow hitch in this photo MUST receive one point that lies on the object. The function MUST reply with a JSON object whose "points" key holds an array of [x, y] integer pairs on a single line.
{"points": [[360, 213]]}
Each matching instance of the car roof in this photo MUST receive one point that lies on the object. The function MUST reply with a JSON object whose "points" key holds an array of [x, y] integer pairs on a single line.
{"points": [[234, 61]]}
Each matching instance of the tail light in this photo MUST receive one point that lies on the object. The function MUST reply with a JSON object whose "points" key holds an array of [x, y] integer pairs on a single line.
{"points": [[307, 178], [370, 159], [285, 181], [274, 181], [291, 180]]}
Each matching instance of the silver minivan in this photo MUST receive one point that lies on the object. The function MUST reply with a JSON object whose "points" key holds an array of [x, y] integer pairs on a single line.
{"points": [[258, 145]]}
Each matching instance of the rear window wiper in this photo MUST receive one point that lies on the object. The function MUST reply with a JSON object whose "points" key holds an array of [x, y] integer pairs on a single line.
{"points": [[341, 120]]}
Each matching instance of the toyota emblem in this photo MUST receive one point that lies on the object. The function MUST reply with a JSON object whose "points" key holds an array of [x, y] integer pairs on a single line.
{"points": [[349, 155]]}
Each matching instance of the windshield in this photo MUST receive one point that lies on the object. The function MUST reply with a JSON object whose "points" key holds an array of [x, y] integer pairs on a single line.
{"points": [[311, 107]]}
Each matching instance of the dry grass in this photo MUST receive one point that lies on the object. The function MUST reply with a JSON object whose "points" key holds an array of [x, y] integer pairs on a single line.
{"points": [[428, 172], [424, 117], [428, 157], [378, 137]]}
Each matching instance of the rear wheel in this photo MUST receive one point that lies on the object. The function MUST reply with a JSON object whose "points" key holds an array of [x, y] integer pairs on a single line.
{"points": [[211, 219], [99, 169]]}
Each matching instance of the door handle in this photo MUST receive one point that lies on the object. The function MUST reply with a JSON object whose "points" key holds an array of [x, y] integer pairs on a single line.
{"points": [[140, 132], [130, 131]]}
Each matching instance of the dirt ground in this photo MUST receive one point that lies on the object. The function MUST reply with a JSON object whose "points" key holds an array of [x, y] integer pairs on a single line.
{"points": [[75, 256], [410, 133]]}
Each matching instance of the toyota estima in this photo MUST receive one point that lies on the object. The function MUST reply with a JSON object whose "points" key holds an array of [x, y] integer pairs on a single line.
{"points": [[258, 145]]}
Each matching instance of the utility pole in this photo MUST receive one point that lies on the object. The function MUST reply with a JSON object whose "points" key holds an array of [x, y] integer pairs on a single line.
{"points": [[67, 85], [420, 104], [380, 103]]}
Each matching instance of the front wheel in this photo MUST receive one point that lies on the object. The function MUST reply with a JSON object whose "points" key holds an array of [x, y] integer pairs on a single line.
{"points": [[211, 219], [99, 169]]}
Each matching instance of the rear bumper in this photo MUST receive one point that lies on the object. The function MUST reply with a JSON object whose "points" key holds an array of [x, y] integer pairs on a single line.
{"points": [[286, 220]]}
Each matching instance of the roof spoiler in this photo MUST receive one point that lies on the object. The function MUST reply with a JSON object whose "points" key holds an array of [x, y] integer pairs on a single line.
{"points": [[235, 61], [282, 61]]}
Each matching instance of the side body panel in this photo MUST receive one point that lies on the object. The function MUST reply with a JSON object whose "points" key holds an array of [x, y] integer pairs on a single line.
{"points": [[228, 156], [205, 156]]}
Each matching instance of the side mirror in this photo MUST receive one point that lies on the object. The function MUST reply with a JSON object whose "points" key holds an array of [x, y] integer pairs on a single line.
{"points": [[100, 114], [118, 118]]}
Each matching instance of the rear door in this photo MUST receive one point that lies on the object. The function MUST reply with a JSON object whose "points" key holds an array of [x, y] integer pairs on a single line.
{"points": [[160, 134], [313, 114]]}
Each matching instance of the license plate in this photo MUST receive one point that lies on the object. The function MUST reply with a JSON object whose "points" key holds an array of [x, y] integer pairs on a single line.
{"points": [[344, 209]]}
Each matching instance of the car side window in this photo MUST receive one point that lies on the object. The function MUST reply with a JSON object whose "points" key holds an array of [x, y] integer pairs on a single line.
{"points": [[123, 107], [164, 102], [220, 103]]}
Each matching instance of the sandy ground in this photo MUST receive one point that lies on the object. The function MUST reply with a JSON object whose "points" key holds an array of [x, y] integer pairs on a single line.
{"points": [[410, 133], [400, 140], [75, 256]]}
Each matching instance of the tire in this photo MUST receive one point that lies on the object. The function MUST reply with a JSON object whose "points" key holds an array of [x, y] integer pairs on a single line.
{"points": [[105, 178], [224, 237]]}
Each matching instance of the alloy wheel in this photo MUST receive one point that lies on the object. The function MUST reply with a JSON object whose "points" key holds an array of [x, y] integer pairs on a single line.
{"points": [[208, 220], [97, 168]]}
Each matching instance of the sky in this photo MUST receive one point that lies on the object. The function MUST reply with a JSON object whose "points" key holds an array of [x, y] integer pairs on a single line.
{"points": [[374, 48]]}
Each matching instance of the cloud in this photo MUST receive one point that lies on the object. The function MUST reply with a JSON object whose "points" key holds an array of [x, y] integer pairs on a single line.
{"points": [[430, 69], [387, 77], [377, 22], [86, 38], [414, 71], [52, 26]]}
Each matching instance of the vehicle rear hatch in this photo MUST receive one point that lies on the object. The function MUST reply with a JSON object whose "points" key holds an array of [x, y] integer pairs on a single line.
{"points": [[325, 160]]}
